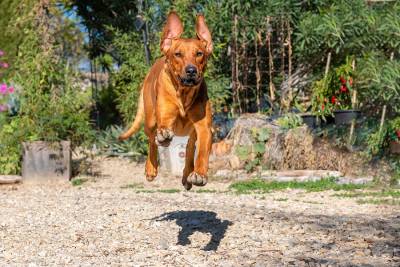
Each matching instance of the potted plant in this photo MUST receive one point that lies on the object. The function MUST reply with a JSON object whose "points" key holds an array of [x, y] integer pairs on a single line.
{"points": [[322, 104], [394, 136], [343, 89], [332, 95]]}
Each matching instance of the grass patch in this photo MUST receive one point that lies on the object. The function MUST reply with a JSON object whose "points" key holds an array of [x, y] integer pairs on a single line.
{"points": [[78, 181], [384, 193], [261, 186], [312, 202], [165, 191], [145, 191], [206, 191], [134, 185], [169, 191], [377, 201]]}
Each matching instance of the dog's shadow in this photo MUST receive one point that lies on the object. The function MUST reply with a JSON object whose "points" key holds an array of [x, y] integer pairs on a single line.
{"points": [[198, 221]]}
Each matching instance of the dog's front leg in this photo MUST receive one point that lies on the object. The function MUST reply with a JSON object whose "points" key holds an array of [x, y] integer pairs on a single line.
{"points": [[166, 114], [202, 120]]}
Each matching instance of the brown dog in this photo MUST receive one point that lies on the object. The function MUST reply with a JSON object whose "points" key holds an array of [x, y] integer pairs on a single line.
{"points": [[174, 100]]}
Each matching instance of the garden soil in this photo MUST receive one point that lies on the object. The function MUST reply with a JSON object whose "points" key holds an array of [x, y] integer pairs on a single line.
{"points": [[118, 219]]}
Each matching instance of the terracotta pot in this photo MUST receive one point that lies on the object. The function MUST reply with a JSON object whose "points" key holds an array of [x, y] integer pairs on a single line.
{"points": [[394, 147]]}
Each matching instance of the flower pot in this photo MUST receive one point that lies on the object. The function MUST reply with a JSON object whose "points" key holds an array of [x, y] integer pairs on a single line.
{"points": [[46, 161], [172, 158], [329, 119], [394, 147], [310, 120], [346, 116]]}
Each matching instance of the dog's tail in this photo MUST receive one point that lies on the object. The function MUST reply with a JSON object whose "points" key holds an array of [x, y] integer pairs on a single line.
{"points": [[138, 119]]}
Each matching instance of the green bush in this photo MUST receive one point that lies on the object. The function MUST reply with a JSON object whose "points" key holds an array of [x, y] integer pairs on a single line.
{"points": [[53, 107], [289, 121], [378, 80]]}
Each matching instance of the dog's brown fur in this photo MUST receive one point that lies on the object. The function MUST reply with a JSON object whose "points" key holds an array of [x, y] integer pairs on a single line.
{"points": [[174, 101]]}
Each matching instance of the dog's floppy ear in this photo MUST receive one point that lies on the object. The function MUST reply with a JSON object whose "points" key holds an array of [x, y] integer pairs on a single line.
{"points": [[172, 30], [203, 33]]}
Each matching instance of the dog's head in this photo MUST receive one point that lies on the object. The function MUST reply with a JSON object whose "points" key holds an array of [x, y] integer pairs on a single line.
{"points": [[186, 58]]}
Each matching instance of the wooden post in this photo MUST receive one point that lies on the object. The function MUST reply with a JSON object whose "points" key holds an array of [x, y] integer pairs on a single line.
{"points": [[354, 106], [257, 40], [282, 35], [328, 63], [382, 119], [270, 61], [290, 63], [234, 65], [243, 84]]}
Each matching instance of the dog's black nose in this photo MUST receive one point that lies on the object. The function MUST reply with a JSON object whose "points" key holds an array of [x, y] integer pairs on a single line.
{"points": [[191, 71]]}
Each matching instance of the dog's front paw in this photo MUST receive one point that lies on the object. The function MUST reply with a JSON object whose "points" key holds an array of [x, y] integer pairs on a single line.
{"points": [[197, 179], [164, 137], [186, 184]]}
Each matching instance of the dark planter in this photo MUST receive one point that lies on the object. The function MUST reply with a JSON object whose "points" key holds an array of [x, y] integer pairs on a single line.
{"points": [[394, 147], [310, 120], [46, 161], [329, 119], [346, 116]]}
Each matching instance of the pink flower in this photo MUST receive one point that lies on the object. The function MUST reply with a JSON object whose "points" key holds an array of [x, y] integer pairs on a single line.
{"points": [[3, 89], [5, 65], [11, 90], [3, 108], [1, 53]]}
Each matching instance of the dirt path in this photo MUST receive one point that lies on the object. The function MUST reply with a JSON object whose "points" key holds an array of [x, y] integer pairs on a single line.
{"points": [[100, 224]]}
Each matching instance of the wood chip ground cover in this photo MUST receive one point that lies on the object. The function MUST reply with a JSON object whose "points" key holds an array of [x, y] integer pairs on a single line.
{"points": [[99, 224]]}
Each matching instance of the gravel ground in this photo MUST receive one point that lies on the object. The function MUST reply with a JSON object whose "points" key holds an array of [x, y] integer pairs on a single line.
{"points": [[102, 223]]}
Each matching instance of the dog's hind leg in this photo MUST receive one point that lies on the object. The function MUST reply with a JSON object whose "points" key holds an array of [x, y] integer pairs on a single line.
{"points": [[189, 161], [151, 162]]}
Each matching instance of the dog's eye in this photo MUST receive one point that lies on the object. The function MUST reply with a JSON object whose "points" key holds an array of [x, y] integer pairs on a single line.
{"points": [[178, 54], [199, 54]]}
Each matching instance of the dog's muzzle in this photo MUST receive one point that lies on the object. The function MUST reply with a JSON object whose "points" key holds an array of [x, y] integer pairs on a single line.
{"points": [[191, 76], [189, 81]]}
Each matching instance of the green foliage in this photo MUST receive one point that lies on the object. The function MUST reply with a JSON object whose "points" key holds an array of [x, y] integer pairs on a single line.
{"points": [[376, 141], [127, 79], [378, 80], [394, 129], [253, 154], [78, 181], [347, 27], [289, 121], [10, 148], [108, 143], [53, 107], [12, 13], [261, 186]]}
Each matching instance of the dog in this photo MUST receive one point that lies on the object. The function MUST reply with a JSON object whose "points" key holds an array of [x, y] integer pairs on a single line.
{"points": [[174, 101]]}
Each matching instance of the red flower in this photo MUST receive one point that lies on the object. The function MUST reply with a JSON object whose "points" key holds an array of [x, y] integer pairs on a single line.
{"points": [[322, 107], [333, 100], [398, 133], [351, 81], [343, 89], [342, 80]]}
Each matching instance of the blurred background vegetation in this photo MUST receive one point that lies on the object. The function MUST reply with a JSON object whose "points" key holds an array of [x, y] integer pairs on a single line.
{"points": [[77, 65]]}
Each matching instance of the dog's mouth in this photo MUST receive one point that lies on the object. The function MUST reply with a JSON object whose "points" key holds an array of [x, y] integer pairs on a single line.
{"points": [[189, 81]]}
